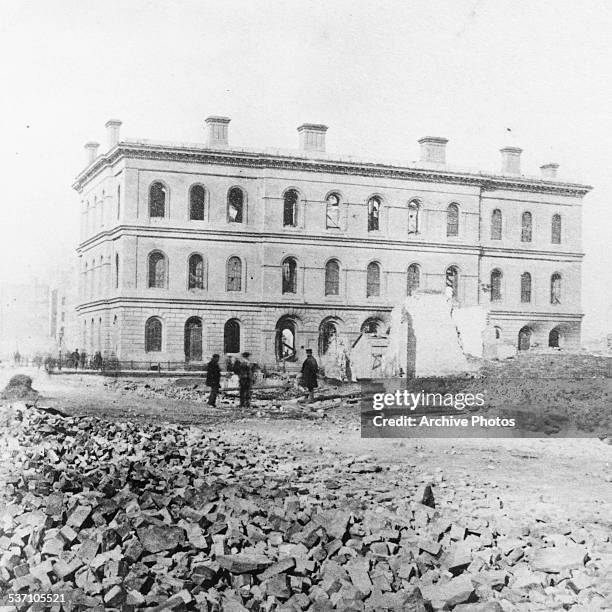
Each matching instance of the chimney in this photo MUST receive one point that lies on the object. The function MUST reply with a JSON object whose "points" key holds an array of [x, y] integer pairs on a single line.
{"points": [[549, 171], [433, 149], [312, 137], [112, 129], [511, 160], [92, 151], [217, 131]]}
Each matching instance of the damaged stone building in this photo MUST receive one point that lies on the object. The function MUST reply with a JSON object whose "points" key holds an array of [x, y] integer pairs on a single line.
{"points": [[192, 249]]}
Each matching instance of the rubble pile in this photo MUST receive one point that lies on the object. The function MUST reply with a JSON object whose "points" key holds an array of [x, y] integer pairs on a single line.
{"points": [[19, 387], [122, 516]]}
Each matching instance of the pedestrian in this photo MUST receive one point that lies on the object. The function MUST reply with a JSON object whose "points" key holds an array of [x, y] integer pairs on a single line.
{"points": [[76, 358], [310, 370], [97, 361], [83, 359], [213, 379], [244, 369]]}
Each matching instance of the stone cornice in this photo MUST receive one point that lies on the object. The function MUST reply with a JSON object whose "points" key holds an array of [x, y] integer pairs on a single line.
{"points": [[265, 160], [249, 304], [270, 238]]}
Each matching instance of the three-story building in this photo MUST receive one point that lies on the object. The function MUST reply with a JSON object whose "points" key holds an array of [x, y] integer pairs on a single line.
{"points": [[191, 249]]}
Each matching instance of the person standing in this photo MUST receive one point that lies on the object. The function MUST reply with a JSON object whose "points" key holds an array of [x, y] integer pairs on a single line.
{"points": [[76, 359], [244, 369], [213, 379], [310, 370]]}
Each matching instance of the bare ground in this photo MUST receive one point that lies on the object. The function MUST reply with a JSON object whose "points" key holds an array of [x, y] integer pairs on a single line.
{"points": [[565, 478]]}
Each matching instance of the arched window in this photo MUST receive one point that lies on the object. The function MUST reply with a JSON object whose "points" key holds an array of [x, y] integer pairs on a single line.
{"points": [[555, 288], [101, 276], [413, 279], [525, 287], [373, 326], [414, 209], [526, 227], [231, 336], [289, 281], [285, 339], [554, 338], [524, 339], [373, 280], [332, 211], [452, 281], [157, 270], [196, 272], [556, 229], [157, 200], [496, 225], [234, 274], [153, 335], [290, 202], [197, 198], [452, 220], [332, 277], [373, 214], [235, 205], [193, 339], [496, 282], [328, 337], [498, 332], [116, 270]]}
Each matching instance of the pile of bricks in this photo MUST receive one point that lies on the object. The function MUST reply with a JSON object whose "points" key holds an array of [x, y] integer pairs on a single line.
{"points": [[120, 516]]}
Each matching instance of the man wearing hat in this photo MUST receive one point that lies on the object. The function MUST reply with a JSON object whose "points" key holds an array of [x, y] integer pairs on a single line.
{"points": [[244, 369], [310, 370]]}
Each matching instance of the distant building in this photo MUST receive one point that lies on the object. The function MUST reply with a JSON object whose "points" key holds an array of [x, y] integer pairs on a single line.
{"points": [[191, 249], [64, 300], [26, 319]]}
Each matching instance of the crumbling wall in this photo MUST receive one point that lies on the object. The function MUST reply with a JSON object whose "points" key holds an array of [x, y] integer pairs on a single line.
{"points": [[424, 339], [471, 324]]}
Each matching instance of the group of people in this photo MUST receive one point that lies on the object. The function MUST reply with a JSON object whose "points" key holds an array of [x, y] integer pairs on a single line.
{"points": [[245, 369], [78, 360]]}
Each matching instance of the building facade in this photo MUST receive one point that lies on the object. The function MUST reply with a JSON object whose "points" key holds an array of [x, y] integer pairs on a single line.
{"points": [[192, 249]]}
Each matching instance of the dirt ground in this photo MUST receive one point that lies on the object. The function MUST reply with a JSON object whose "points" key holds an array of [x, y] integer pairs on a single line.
{"points": [[567, 479]]}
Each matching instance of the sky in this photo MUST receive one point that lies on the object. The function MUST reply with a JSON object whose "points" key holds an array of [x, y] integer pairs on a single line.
{"points": [[379, 74]]}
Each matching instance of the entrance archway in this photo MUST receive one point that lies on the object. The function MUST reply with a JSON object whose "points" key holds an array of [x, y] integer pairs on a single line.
{"points": [[554, 338], [193, 339], [328, 337], [231, 336], [524, 339], [285, 339]]}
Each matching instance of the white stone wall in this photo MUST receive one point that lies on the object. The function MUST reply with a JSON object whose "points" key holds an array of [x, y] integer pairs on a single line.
{"points": [[113, 226]]}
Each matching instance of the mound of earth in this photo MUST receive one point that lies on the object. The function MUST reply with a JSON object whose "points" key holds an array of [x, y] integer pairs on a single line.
{"points": [[19, 388]]}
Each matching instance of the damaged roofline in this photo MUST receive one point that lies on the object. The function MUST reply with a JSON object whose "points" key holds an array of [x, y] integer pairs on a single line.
{"points": [[263, 159]]}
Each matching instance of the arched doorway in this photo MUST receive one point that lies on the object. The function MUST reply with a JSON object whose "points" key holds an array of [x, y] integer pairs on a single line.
{"points": [[524, 339], [285, 339], [193, 339], [554, 338], [231, 336], [328, 337]]}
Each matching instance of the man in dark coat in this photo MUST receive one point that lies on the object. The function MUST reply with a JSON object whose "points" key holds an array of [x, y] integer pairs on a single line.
{"points": [[213, 379], [310, 370], [244, 368]]}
